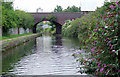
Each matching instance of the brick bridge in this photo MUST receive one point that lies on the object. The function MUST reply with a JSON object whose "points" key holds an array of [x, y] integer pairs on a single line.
{"points": [[60, 18]]}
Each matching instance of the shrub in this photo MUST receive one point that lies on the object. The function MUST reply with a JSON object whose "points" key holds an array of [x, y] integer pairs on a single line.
{"points": [[99, 35]]}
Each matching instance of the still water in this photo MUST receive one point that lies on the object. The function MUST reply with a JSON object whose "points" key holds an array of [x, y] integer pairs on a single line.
{"points": [[44, 55]]}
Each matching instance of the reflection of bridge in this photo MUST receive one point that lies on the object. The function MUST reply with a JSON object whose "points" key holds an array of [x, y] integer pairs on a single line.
{"points": [[60, 18]]}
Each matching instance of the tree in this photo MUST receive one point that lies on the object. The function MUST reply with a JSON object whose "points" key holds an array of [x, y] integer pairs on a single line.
{"points": [[72, 9], [9, 17], [58, 9], [13, 19], [68, 9], [26, 20]]}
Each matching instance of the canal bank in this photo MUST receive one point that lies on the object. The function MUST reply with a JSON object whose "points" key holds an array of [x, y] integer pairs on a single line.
{"points": [[10, 43]]}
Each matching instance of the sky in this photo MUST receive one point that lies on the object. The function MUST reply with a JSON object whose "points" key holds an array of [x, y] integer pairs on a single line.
{"points": [[49, 5]]}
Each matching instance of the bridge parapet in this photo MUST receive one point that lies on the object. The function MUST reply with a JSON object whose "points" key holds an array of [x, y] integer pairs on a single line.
{"points": [[60, 17]]}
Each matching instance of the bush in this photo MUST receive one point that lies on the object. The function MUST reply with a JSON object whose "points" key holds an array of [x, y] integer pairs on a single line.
{"points": [[99, 33], [13, 19]]}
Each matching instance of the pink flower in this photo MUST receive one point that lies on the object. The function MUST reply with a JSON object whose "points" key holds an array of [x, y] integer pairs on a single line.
{"points": [[110, 45], [99, 64], [97, 69], [96, 23], [113, 50], [86, 46], [111, 6], [93, 49], [95, 30], [116, 3], [101, 69], [118, 70], [93, 58], [105, 39], [109, 42], [119, 5], [104, 65]]}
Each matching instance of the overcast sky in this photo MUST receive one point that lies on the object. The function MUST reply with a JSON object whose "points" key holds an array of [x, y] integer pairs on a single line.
{"points": [[49, 5]]}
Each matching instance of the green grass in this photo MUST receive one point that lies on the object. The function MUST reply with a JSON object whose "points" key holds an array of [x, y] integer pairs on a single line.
{"points": [[14, 36]]}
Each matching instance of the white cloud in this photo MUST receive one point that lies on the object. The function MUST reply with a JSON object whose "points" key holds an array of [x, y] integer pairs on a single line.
{"points": [[49, 5]]}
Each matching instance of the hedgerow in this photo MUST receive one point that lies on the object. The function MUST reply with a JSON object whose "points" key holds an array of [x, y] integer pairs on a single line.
{"points": [[99, 35]]}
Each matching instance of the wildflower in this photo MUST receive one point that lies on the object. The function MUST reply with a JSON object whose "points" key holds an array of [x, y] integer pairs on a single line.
{"points": [[99, 64], [95, 30], [93, 58], [96, 23], [110, 45], [111, 6], [104, 65], [118, 70], [93, 49], [101, 69], [113, 50], [109, 42], [86, 46], [105, 18], [116, 3], [119, 5], [97, 69]]}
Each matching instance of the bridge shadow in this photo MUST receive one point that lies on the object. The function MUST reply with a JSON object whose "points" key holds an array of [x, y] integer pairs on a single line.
{"points": [[58, 26]]}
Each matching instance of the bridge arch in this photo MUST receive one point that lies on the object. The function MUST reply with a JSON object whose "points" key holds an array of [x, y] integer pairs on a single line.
{"points": [[58, 26], [60, 18]]}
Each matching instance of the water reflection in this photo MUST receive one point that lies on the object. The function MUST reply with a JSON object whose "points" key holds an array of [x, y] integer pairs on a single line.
{"points": [[48, 56], [9, 58], [57, 45]]}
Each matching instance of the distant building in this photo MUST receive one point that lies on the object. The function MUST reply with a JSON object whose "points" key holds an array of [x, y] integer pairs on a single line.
{"points": [[39, 10], [46, 26]]}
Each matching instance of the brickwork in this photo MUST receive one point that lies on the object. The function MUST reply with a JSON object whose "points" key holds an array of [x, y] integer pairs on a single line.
{"points": [[60, 17]]}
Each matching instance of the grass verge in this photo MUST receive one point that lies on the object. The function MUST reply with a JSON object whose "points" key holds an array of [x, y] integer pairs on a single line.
{"points": [[14, 36]]}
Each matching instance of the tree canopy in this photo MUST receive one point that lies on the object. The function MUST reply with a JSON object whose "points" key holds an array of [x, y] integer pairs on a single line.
{"points": [[68, 9], [14, 18]]}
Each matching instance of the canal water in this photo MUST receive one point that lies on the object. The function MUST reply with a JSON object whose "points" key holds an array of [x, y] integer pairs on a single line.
{"points": [[44, 55]]}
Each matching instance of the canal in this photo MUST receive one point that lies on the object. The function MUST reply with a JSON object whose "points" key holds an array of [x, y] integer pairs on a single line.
{"points": [[46, 55]]}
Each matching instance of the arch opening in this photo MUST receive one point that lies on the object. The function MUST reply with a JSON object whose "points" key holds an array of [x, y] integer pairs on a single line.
{"points": [[57, 25]]}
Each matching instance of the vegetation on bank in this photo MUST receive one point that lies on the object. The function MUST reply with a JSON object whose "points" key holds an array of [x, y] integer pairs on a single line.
{"points": [[99, 34], [14, 18], [14, 36]]}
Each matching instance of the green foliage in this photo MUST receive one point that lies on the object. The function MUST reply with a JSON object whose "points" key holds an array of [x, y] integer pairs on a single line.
{"points": [[26, 20], [14, 36], [58, 9], [98, 33], [72, 9], [9, 17], [70, 28], [51, 18], [13, 19], [39, 29], [50, 30], [68, 9]]}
